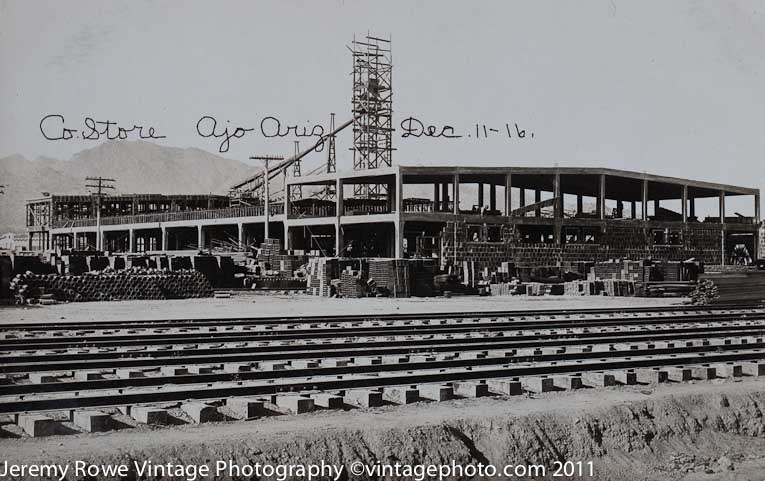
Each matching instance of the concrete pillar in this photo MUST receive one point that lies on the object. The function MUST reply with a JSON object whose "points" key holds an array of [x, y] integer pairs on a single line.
{"points": [[339, 195], [685, 203], [722, 227], [645, 200], [633, 206], [656, 206], [602, 197], [240, 234], [445, 197], [164, 239], [436, 198], [579, 204], [480, 195], [558, 210], [456, 194], [131, 240], [508, 194], [757, 209], [287, 238], [522, 201], [338, 239], [340, 210], [493, 196], [398, 194], [200, 238], [398, 228], [398, 224], [692, 207]]}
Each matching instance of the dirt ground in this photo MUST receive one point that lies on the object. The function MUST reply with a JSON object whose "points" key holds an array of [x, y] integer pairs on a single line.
{"points": [[691, 432], [262, 305]]}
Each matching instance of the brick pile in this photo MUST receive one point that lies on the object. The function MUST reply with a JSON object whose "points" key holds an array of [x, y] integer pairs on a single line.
{"points": [[269, 248], [352, 283], [319, 276], [626, 270], [606, 287], [392, 274]]}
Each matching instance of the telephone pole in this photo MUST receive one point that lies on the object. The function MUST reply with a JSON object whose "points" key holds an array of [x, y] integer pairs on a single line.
{"points": [[100, 183], [266, 194]]}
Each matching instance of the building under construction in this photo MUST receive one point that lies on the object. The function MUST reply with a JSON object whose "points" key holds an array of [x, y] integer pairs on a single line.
{"points": [[381, 208]]}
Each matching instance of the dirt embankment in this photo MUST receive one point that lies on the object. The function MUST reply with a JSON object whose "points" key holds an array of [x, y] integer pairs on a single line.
{"points": [[692, 432]]}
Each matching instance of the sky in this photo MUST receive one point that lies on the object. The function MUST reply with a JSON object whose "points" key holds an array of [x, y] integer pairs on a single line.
{"points": [[672, 88]]}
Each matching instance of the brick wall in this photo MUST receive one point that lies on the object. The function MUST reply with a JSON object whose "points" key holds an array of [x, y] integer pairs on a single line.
{"points": [[617, 242]]}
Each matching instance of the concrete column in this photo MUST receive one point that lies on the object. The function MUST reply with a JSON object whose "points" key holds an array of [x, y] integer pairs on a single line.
{"points": [[339, 196], [522, 201], [722, 227], [633, 206], [287, 238], [493, 196], [399, 241], [338, 239], [131, 240], [537, 199], [579, 204], [445, 197], [685, 203], [692, 207], [240, 234], [398, 194], [757, 209], [558, 210], [602, 197], [480, 194], [656, 206], [456, 193], [287, 199], [508, 194], [436, 198], [164, 239], [200, 238], [645, 200]]}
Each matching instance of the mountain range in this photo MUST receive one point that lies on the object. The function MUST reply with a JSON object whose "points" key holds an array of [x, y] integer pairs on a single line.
{"points": [[137, 166]]}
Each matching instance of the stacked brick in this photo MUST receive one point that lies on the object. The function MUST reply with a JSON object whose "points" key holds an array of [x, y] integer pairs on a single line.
{"points": [[701, 242], [607, 287], [422, 272], [634, 271], [269, 249], [352, 283], [319, 276], [392, 274]]}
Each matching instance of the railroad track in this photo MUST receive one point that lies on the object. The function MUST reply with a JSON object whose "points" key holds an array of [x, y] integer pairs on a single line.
{"points": [[283, 364]]}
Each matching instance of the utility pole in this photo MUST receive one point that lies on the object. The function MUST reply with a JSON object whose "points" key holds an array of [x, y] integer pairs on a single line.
{"points": [[100, 184], [266, 195]]}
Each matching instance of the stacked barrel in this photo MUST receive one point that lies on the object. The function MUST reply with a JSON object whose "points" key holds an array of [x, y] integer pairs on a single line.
{"points": [[108, 285]]}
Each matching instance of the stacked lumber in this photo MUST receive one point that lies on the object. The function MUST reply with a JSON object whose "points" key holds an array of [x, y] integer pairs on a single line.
{"points": [[604, 287], [669, 288]]}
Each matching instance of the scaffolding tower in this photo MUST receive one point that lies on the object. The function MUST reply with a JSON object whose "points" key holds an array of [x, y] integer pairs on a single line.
{"points": [[372, 108]]}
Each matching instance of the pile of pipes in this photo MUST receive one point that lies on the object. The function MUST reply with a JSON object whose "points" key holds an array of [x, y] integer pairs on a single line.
{"points": [[111, 285], [743, 286]]}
